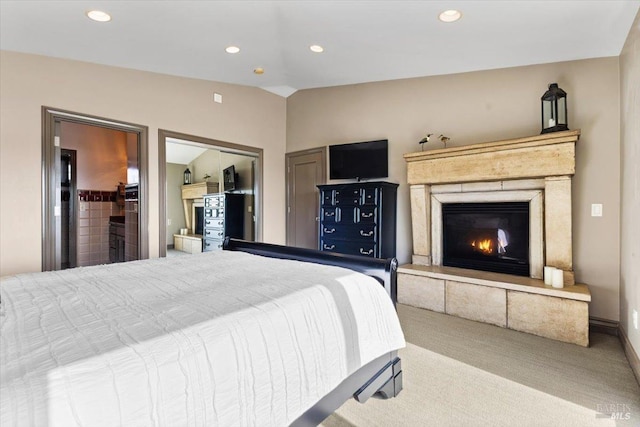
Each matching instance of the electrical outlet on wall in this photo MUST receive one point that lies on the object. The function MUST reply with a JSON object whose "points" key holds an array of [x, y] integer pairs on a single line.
{"points": [[168, 221], [635, 318]]}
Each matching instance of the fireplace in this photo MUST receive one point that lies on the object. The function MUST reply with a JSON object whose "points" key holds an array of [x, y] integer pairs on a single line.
{"points": [[486, 236], [453, 195], [197, 216], [536, 170], [198, 219]]}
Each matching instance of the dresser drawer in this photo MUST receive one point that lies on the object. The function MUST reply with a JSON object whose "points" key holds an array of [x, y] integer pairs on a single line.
{"points": [[330, 215], [347, 197], [214, 222], [369, 196], [211, 245], [213, 202], [366, 214], [214, 213], [326, 198], [365, 232], [349, 248], [344, 215], [214, 233]]}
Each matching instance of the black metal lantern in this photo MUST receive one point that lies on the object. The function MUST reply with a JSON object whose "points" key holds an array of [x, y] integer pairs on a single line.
{"points": [[187, 176], [554, 109]]}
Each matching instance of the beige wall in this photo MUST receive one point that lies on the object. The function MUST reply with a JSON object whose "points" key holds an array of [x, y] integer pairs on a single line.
{"points": [[207, 163], [486, 106], [101, 155], [248, 116], [630, 175]]}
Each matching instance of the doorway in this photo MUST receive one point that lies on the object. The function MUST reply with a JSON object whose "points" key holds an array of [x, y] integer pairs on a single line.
{"points": [[305, 170], [207, 161], [54, 121]]}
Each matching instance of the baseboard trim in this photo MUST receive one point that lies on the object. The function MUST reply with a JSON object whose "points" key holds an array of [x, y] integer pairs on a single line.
{"points": [[631, 354], [603, 326]]}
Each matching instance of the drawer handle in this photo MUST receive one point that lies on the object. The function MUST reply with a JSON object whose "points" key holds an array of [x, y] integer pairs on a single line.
{"points": [[369, 252], [367, 215], [362, 233], [326, 230], [325, 246], [221, 234], [329, 213]]}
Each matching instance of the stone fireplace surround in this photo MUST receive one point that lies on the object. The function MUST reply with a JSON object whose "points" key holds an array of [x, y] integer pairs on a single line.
{"points": [[535, 169]]}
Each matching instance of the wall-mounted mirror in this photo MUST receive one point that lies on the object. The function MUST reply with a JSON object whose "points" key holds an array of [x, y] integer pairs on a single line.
{"points": [[220, 198]]}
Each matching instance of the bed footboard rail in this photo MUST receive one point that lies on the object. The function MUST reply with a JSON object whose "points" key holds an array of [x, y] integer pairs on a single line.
{"points": [[387, 382], [382, 376], [383, 270]]}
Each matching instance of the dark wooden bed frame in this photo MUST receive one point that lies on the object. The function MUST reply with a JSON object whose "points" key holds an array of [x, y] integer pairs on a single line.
{"points": [[382, 376]]}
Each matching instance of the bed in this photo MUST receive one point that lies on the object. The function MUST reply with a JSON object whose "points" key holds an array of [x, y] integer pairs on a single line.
{"points": [[256, 334]]}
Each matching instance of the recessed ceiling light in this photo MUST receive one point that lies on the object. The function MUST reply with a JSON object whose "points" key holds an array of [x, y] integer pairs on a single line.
{"points": [[98, 15], [258, 70], [232, 49], [450, 15], [316, 48]]}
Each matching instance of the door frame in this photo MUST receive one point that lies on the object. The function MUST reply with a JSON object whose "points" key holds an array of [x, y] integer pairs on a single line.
{"points": [[163, 134], [50, 117], [289, 184]]}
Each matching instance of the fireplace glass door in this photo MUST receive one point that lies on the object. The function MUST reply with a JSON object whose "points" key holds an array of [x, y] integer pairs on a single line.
{"points": [[487, 236]]}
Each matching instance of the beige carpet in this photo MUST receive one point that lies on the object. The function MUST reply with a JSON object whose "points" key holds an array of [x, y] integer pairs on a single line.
{"points": [[463, 373]]}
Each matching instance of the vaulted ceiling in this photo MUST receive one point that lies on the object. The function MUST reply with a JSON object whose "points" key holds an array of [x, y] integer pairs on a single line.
{"points": [[363, 40]]}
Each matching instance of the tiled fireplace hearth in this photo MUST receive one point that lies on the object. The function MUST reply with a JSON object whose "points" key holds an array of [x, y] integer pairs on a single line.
{"points": [[531, 174]]}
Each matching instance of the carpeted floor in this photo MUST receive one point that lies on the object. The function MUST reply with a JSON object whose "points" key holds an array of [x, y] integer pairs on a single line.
{"points": [[463, 373]]}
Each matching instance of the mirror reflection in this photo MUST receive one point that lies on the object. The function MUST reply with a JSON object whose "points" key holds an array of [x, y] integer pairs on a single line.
{"points": [[210, 195]]}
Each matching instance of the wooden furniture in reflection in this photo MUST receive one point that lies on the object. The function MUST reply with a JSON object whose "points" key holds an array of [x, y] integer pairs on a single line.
{"points": [[223, 217], [189, 243]]}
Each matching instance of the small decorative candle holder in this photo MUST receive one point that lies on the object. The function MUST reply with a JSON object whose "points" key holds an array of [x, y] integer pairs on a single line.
{"points": [[548, 275], [558, 278]]}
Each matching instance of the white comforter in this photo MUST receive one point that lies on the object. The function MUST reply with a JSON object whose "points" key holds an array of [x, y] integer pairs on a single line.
{"points": [[221, 338]]}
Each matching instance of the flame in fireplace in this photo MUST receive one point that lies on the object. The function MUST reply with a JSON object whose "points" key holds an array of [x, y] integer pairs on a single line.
{"points": [[485, 245]]}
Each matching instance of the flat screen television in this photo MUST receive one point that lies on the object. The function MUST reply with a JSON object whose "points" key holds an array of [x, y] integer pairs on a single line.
{"points": [[359, 160], [230, 178]]}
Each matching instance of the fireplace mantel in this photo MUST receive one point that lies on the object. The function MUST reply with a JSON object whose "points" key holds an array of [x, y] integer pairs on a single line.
{"points": [[540, 156]]}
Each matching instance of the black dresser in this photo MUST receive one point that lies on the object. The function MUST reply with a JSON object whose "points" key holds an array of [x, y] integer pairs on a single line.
{"points": [[223, 216], [358, 219]]}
